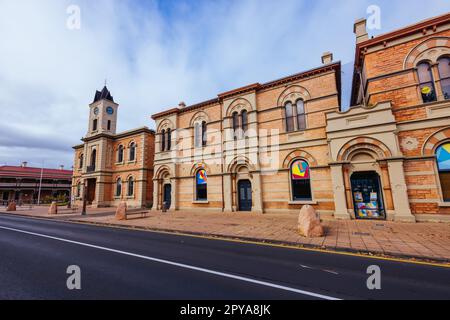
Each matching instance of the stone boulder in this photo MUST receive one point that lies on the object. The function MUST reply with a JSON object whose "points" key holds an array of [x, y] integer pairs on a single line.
{"points": [[53, 208], [11, 206], [121, 212], [309, 223]]}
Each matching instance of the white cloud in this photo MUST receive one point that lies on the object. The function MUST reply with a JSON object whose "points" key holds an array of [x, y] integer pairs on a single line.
{"points": [[155, 54]]}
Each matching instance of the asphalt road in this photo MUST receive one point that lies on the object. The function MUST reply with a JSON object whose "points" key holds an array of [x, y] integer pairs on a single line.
{"points": [[128, 264]]}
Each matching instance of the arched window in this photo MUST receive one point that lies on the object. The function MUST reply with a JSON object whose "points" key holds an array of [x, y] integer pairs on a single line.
{"points": [[244, 121], [119, 187], [444, 75], [80, 161], [235, 124], [109, 125], [289, 113], [443, 160], [169, 139], [163, 140], [426, 82], [120, 154], [204, 136], [198, 135], [93, 159], [132, 151], [130, 186], [201, 182], [78, 189], [301, 182], [301, 118], [94, 125]]}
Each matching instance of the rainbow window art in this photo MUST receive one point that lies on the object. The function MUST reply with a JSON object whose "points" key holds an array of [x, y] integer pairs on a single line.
{"points": [[300, 170], [202, 177], [443, 157]]}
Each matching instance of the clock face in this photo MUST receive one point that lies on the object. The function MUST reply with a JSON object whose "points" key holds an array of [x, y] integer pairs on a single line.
{"points": [[96, 110], [109, 110]]}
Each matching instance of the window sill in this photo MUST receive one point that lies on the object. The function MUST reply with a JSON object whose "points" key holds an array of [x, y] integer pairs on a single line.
{"points": [[129, 197], [200, 202], [306, 202], [132, 162], [117, 197], [444, 204], [119, 163]]}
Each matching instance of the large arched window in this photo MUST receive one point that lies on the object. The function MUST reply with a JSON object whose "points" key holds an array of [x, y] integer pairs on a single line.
{"points": [[197, 135], [130, 186], [444, 75], [201, 183], [163, 140], [443, 159], [204, 136], [132, 155], [93, 159], [80, 161], [301, 182], [244, 121], [169, 139], [289, 114], [120, 154], [235, 124], [426, 82], [301, 118], [118, 187]]}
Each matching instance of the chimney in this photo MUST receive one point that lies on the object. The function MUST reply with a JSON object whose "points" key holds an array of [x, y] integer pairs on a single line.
{"points": [[360, 30], [182, 105], [24, 164], [327, 58], [61, 167]]}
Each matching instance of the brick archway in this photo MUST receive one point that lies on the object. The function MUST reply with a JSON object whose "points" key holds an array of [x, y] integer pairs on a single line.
{"points": [[434, 141], [430, 49], [379, 148], [299, 154]]}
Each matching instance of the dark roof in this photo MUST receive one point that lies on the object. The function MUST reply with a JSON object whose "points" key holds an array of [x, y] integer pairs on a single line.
{"points": [[28, 172], [104, 94]]}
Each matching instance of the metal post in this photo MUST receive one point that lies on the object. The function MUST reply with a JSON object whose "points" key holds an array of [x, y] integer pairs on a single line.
{"points": [[83, 212], [40, 185]]}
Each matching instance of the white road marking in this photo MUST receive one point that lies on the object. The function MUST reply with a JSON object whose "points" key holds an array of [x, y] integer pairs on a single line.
{"points": [[180, 265], [331, 271]]}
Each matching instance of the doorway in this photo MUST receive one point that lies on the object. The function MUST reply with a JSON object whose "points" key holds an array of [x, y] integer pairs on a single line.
{"points": [[90, 193], [167, 195], [367, 196], [245, 195]]}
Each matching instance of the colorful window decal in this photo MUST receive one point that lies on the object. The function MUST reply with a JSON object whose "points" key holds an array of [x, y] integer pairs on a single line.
{"points": [[202, 178], [300, 170], [443, 157]]}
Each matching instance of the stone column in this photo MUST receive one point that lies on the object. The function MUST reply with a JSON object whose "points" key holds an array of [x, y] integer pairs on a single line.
{"points": [[399, 191], [340, 202], [173, 205], [257, 193], [227, 193], [155, 205]]}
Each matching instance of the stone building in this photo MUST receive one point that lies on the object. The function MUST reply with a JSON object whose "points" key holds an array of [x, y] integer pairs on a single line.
{"points": [[277, 146], [27, 185], [111, 167]]}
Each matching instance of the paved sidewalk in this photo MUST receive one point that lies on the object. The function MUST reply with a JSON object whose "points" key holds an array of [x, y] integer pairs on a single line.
{"points": [[429, 241]]}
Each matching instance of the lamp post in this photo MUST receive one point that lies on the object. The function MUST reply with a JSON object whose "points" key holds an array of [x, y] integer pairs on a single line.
{"points": [[83, 211]]}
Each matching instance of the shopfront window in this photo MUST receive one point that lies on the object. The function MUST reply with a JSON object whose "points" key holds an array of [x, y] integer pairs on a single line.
{"points": [[119, 187], [443, 160], [367, 195], [201, 185], [301, 182]]}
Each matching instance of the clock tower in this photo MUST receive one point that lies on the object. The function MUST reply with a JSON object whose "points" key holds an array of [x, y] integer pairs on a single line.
{"points": [[102, 114]]}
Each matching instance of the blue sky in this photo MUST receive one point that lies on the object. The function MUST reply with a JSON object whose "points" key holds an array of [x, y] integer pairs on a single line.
{"points": [[158, 53]]}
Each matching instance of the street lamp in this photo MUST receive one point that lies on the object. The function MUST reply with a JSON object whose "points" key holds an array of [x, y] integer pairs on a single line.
{"points": [[83, 211]]}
